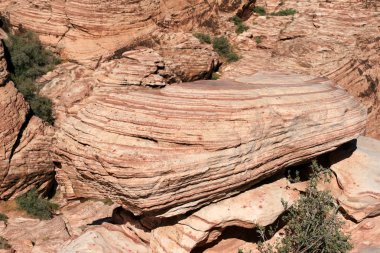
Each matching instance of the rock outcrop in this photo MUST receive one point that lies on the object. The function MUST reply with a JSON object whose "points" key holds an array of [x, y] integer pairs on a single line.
{"points": [[92, 29], [258, 206], [25, 143], [338, 39], [357, 187], [165, 152]]}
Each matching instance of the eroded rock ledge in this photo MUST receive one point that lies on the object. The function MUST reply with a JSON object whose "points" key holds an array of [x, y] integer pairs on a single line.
{"points": [[165, 152]]}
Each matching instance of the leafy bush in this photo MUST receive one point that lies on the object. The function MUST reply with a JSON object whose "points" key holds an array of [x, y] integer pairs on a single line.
{"points": [[312, 224], [223, 47], [258, 39], [260, 10], [215, 76], [4, 243], [239, 24], [3, 217], [203, 38], [36, 206], [286, 12], [28, 61]]}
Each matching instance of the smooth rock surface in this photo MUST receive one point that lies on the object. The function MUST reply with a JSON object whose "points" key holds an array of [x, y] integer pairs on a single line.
{"points": [[165, 152], [258, 206], [357, 187]]}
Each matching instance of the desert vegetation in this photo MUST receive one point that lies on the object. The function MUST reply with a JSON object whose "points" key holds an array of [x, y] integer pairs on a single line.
{"points": [[203, 38], [28, 61], [36, 206], [239, 24], [312, 224], [285, 12]]}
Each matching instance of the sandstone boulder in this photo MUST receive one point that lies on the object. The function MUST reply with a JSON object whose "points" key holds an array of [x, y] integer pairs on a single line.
{"points": [[165, 152], [258, 206], [357, 187], [3, 65]]}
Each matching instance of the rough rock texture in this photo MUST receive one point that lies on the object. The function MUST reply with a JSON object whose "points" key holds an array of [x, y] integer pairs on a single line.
{"points": [[33, 235], [365, 236], [91, 29], [259, 206], [339, 39], [79, 216], [3, 65], [164, 152], [24, 143], [106, 238], [357, 187]]}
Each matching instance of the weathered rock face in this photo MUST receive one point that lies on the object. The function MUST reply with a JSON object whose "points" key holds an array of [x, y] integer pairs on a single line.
{"points": [[91, 29], [339, 39], [25, 143], [165, 152], [259, 206], [357, 187], [3, 66]]}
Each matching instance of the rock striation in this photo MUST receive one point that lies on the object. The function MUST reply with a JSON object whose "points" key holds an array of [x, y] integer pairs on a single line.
{"points": [[165, 152], [258, 206], [338, 39], [85, 30], [25, 143]]}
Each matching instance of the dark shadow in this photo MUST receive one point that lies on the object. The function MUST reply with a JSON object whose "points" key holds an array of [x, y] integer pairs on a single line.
{"points": [[101, 221]]}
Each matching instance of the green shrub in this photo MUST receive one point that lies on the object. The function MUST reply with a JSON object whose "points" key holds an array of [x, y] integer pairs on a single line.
{"points": [[28, 61], [223, 47], [203, 38], [3, 217], [286, 12], [215, 76], [258, 39], [312, 224], [4, 243], [260, 10], [36, 206], [239, 24]]}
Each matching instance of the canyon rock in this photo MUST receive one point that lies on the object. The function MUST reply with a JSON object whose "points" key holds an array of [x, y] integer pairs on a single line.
{"points": [[258, 206], [163, 152], [25, 143], [92, 29], [357, 187], [33, 235], [337, 39], [105, 238], [365, 236], [3, 65]]}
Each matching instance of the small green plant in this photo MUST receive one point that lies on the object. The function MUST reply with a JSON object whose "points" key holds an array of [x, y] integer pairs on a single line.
{"points": [[203, 38], [258, 39], [4, 243], [260, 11], [312, 224], [223, 47], [239, 24], [215, 76], [286, 12], [3, 217], [36, 206], [28, 61]]}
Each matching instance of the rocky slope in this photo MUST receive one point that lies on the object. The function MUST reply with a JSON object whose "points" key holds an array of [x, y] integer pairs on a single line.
{"points": [[25, 142], [339, 39]]}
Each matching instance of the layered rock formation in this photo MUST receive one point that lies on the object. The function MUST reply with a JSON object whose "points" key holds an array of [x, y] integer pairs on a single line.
{"points": [[338, 39], [25, 143], [92, 29], [259, 206], [164, 152]]}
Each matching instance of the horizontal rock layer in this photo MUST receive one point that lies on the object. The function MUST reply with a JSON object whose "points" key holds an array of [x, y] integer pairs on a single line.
{"points": [[91, 29], [165, 152], [338, 39], [25, 142], [258, 206]]}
